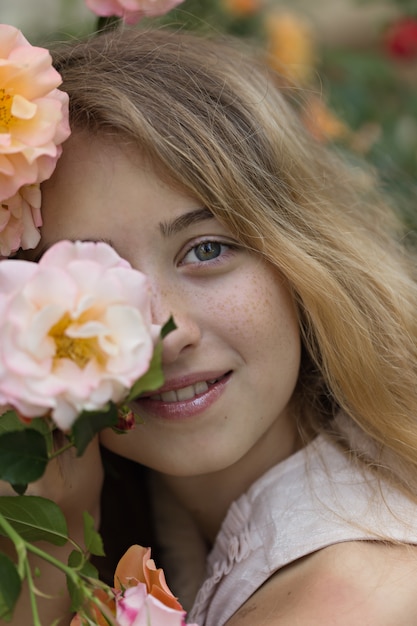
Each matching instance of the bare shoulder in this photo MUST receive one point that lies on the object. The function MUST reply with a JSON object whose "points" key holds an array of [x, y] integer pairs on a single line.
{"points": [[367, 583]]}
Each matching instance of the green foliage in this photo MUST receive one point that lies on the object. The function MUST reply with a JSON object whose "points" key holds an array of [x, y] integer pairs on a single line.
{"points": [[34, 519], [10, 587], [92, 539], [90, 423], [374, 94], [154, 377], [23, 457]]}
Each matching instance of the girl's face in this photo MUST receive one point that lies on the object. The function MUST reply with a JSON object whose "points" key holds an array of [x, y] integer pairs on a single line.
{"points": [[232, 364]]}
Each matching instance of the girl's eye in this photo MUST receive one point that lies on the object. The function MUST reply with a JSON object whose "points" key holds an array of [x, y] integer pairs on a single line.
{"points": [[205, 251], [208, 250]]}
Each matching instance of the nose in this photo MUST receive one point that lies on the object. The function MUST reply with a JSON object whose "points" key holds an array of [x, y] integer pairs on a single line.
{"points": [[187, 334]]}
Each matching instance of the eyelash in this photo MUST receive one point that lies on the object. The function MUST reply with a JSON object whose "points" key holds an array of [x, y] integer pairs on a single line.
{"points": [[226, 249]]}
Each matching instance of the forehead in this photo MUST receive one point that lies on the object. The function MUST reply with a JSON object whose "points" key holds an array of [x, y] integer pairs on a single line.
{"points": [[100, 188]]}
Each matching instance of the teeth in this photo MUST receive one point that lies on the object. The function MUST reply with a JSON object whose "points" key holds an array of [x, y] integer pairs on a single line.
{"points": [[186, 393], [169, 396], [201, 387]]}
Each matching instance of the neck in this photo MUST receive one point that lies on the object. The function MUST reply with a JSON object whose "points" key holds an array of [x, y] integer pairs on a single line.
{"points": [[208, 497]]}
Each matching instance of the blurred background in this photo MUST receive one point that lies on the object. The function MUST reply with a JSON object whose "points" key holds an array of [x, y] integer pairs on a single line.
{"points": [[354, 60]]}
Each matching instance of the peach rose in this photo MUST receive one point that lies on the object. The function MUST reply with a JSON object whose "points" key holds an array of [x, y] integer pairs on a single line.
{"points": [[33, 113], [141, 595]]}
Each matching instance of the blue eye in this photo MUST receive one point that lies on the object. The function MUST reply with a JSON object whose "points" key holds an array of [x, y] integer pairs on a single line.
{"points": [[208, 254], [208, 250]]}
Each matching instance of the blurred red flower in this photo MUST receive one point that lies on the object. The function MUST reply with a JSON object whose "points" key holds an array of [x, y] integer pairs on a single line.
{"points": [[401, 38]]}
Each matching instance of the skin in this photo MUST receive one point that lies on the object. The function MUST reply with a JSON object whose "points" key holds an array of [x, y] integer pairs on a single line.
{"points": [[235, 322], [237, 326]]}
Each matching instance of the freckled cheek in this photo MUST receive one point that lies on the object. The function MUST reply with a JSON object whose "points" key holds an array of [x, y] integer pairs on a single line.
{"points": [[258, 317], [276, 345]]}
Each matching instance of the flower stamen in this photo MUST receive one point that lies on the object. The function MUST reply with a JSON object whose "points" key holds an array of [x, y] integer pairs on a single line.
{"points": [[80, 350], [6, 117]]}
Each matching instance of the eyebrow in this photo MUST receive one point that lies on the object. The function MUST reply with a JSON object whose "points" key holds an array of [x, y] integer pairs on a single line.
{"points": [[184, 221]]}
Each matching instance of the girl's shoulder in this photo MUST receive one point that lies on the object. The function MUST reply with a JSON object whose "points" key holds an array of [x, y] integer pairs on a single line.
{"points": [[364, 582]]}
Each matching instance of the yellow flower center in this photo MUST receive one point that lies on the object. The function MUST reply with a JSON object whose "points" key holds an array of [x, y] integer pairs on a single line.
{"points": [[81, 350], [6, 117]]}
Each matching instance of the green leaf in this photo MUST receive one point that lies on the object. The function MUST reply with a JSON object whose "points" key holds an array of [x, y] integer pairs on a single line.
{"points": [[10, 587], [43, 426], [23, 456], [20, 489], [92, 539], [76, 559], [35, 518], [153, 379], [168, 327], [9, 421], [90, 423], [77, 589]]}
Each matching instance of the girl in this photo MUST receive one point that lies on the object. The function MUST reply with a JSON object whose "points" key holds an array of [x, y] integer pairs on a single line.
{"points": [[285, 433]]}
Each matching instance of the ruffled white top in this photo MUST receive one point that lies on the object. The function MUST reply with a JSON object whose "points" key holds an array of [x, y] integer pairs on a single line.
{"points": [[313, 499]]}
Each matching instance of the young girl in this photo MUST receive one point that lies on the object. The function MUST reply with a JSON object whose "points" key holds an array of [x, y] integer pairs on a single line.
{"points": [[285, 433]]}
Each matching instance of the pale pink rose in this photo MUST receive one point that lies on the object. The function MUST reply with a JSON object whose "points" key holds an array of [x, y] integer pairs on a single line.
{"points": [[20, 220], [138, 608], [33, 113], [131, 10], [75, 331]]}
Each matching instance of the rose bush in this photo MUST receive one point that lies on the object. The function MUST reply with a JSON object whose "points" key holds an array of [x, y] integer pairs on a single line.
{"points": [[131, 10], [75, 331]]}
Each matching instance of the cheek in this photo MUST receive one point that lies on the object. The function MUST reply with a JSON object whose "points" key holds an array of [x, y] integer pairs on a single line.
{"points": [[258, 317]]}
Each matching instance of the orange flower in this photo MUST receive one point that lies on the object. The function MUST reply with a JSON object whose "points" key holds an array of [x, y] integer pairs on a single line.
{"points": [[290, 45], [242, 8], [134, 569], [322, 123], [137, 566]]}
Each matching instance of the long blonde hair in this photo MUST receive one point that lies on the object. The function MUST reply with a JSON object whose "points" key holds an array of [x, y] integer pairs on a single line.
{"points": [[217, 123]]}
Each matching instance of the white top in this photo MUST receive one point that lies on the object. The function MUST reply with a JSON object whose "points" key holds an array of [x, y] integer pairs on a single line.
{"points": [[313, 499]]}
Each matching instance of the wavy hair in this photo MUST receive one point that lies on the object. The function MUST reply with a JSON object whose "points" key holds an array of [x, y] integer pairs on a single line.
{"points": [[217, 123]]}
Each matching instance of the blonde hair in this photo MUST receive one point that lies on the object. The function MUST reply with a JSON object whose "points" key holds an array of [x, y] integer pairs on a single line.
{"points": [[220, 125]]}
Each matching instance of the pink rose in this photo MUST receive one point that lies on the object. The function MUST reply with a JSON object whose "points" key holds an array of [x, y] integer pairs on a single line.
{"points": [[20, 219], [75, 331], [138, 608], [131, 10], [33, 113], [140, 596]]}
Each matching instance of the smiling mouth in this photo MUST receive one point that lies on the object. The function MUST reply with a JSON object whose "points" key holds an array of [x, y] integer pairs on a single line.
{"points": [[187, 393]]}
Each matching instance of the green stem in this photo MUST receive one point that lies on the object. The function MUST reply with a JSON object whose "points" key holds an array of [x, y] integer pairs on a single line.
{"points": [[67, 446], [30, 547], [19, 544], [22, 548], [32, 595]]}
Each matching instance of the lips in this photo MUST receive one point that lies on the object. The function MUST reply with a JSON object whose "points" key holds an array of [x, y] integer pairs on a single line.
{"points": [[183, 398]]}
